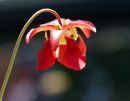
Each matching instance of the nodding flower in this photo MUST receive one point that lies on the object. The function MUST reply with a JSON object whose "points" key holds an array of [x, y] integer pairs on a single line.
{"points": [[61, 44]]}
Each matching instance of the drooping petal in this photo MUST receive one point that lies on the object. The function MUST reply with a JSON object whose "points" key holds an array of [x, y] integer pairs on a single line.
{"points": [[85, 26], [46, 56], [73, 55], [82, 45], [87, 33], [34, 31]]}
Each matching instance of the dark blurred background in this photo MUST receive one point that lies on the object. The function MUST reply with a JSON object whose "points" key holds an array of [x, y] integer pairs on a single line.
{"points": [[107, 74]]}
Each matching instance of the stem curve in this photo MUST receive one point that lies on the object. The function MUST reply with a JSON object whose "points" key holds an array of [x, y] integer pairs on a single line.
{"points": [[19, 39]]}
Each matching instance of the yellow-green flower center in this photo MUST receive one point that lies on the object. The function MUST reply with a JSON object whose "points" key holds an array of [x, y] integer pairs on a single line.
{"points": [[71, 33]]}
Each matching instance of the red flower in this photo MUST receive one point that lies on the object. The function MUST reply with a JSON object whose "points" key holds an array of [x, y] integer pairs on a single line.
{"points": [[62, 45]]}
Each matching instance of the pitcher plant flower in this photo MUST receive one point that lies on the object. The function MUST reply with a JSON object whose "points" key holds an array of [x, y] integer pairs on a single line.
{"points": [[61, 45]]}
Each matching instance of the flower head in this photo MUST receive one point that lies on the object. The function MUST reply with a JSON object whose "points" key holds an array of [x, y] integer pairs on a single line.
{"points": [[62, 43]]}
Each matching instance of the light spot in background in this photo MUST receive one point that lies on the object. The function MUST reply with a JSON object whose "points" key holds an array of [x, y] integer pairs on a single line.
{"points": [[54, 83], [23, 90]]}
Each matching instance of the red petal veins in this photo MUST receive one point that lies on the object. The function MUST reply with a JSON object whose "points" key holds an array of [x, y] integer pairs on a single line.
{"points": [[82, 23], [71, 55], [34, 31], [46, 58]]}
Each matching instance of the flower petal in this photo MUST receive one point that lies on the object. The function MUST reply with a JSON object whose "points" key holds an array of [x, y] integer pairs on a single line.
{"points": [[82, 45], [85, 26], [54, 37], [46, 57], [34, 31], [72, 55]]}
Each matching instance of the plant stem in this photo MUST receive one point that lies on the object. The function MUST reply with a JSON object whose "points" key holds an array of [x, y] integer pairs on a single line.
{"points": [[12, 60]]}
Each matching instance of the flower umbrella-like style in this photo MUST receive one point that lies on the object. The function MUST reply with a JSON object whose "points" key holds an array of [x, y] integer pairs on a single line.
{"points": [[61, 44]]}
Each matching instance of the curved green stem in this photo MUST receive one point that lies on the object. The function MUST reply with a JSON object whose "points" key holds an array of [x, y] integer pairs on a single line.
{"points": [[12, 60]]}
